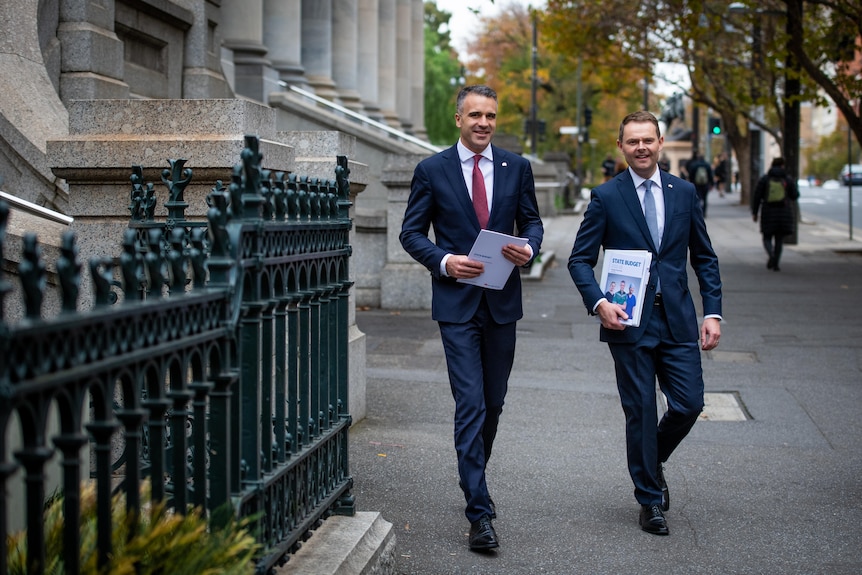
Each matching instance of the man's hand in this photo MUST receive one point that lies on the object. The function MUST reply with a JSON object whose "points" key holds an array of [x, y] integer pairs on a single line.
{"points": [[462, 267], [611, 314], [710, 333], [517, 255]]}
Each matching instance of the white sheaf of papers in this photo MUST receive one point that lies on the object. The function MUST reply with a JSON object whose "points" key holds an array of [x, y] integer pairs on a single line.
{"points": [[488, 249], [631, 267]]}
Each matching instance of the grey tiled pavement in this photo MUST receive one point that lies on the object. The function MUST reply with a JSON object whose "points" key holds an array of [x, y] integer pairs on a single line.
{"points": [[779, 493]]}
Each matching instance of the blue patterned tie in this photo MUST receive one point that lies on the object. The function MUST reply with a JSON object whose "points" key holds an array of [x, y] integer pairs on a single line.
{"points": [[650, 213]]}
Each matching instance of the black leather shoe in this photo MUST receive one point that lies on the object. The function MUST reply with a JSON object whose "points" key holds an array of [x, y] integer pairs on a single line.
{"points": [[665, 494], [482, 535], [652, 520]]}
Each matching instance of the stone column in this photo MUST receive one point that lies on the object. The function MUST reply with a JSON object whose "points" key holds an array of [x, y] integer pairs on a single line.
{"points": [[254, 75], [417, 66], [367, 80], [282, 34], [345, 51], [403, 60], [317, 46], [92, 63], [202, 73], [386, 63], [404, 283]]}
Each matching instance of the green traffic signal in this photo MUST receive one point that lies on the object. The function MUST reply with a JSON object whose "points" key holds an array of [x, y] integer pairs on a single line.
{"points": [[715, 126]]}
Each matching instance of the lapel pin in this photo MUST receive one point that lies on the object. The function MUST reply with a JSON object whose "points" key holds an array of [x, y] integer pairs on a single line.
{"points": [[670, 185], [505, 164]]}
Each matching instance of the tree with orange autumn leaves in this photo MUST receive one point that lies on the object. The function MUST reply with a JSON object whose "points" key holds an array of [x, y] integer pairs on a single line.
{"points": [[500, 55], [620, 42]]}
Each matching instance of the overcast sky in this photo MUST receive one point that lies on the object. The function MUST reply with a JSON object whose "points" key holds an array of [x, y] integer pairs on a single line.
{"points": [[464, 22]]}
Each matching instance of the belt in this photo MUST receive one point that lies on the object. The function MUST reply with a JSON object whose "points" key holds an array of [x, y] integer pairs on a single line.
{"points": [[658, 301]]}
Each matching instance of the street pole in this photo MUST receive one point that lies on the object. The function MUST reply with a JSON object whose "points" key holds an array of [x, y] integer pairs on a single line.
{"points": [[708, 140], [534, 122], [581, 173], [646, 90], [755, 132], [850, 178], [793, 27]]}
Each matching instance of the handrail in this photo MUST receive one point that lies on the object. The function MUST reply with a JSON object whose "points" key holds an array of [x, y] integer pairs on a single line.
{"points": [[365, 119], [37, 209]]}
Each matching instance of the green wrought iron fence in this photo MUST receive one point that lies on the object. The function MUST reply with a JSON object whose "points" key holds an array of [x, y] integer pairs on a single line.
{"points": [[221, 372]]}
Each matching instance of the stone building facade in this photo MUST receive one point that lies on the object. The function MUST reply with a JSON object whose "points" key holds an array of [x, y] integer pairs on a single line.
{"points": [[92, 87], [365, 55]]}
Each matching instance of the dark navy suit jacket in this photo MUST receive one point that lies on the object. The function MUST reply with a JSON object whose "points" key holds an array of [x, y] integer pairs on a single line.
{"points": [[614, 220], [439, 198]]}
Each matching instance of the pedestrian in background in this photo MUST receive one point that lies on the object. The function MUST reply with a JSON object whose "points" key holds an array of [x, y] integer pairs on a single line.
{"points": [[773, 196], [645, 208], [468, 187], [700, 174], [664, 163], [720, 171]]}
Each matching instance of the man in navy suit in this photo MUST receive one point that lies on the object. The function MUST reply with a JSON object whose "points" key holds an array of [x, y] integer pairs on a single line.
{"points": [[644, 208], [468, 187]]}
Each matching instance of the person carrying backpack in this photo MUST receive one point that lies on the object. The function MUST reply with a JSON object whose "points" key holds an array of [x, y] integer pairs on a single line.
{"points": [[700, 174], [773, 195]]}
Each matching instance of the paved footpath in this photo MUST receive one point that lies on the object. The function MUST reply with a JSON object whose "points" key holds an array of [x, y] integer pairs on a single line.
{"points": [[779, 492]]}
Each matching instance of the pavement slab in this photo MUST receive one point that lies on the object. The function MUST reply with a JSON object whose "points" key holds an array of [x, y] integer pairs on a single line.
{"points": [[776, 492]]}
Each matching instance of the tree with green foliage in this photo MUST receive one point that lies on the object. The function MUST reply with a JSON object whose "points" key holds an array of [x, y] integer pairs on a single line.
{"points": [[737, 59], [443, 74], [826, 160]]}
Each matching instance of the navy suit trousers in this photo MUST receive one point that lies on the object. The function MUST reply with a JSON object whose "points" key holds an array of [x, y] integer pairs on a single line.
{"points": [[680, 376], [479, 357]]}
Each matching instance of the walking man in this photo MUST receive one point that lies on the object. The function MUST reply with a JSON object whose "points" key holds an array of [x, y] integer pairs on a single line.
{"points": [[644, 208], [477, 325]]}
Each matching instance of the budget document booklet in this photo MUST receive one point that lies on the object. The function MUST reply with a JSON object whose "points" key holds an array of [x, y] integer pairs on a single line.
{"points": [[625, 274], [488, 249]]}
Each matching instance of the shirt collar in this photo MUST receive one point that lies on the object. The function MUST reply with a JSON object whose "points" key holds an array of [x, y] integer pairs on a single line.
{"points": [[655, 178], [464, 154]]}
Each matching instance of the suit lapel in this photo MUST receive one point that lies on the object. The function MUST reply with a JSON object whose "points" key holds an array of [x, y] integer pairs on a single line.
{"points": [[669, 205], [500, 180], [455, 178]]}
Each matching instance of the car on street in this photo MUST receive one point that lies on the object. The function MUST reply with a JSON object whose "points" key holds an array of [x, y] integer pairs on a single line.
{"points": [[851, 172]]}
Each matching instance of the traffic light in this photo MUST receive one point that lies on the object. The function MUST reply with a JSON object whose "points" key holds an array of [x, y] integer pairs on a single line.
{"points": [[588, 117], [715, 126]]}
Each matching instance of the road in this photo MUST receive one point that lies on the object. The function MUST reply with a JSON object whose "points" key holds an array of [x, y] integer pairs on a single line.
{"points": [[817, 202]]}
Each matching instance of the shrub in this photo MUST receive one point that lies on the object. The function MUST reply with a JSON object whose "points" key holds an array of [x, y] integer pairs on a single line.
{"points": [[163, 541]]}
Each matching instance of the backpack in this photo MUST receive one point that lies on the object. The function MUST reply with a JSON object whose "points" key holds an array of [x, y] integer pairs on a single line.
{"points": [[776, 192], [701, 176]]}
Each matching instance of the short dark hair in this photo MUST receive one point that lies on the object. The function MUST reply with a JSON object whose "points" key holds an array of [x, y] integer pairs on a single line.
{"points": [[778, 162], [479, 89], [639, 116]]}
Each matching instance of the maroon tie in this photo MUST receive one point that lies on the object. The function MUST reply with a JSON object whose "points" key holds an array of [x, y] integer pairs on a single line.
{"points": [[480, 197]]}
